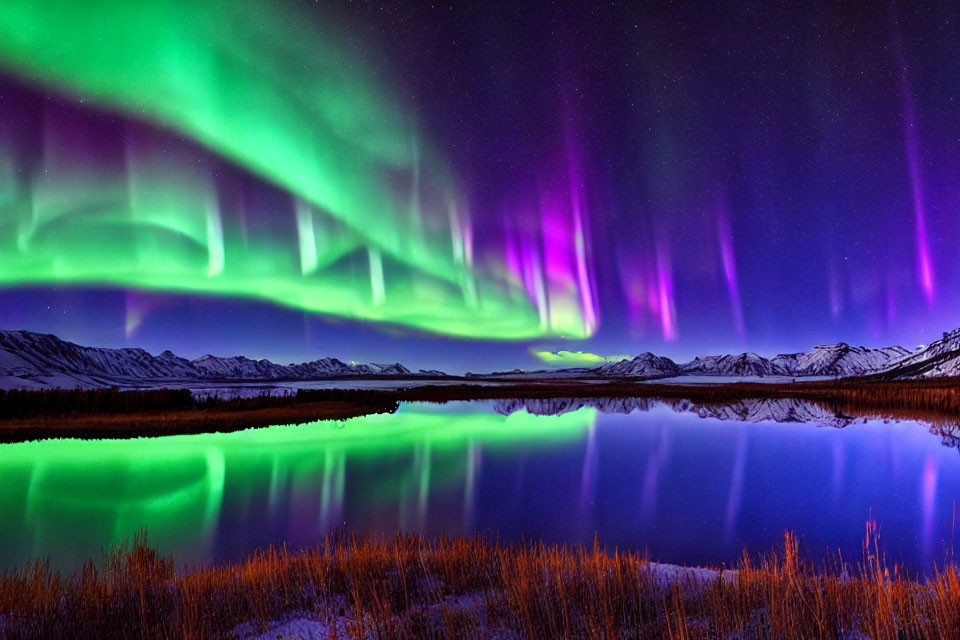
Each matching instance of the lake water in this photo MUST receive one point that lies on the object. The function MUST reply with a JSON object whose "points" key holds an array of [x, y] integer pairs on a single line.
{"points": [[693, 485]]}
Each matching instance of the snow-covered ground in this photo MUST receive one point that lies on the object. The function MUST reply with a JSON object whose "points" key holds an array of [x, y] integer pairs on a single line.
{"points": [[305, 626]]}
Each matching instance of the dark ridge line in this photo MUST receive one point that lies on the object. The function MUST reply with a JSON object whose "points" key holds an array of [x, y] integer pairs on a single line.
{"points": [[916, 368]]}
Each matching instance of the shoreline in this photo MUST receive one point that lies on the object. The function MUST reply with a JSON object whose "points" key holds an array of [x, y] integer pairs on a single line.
{"points": [[113, 413], [97, 426]]}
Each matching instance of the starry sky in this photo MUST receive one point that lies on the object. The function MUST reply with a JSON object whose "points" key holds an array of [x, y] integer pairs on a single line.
{"points": [[467, 186]]}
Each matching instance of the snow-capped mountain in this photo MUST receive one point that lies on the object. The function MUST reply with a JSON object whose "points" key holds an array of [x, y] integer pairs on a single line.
{"points": [[646, 365], [940, 358], [745, 364], [239, 368], [36, 355], [30, 359], [835, 360], [375, 368], [839, 359]]}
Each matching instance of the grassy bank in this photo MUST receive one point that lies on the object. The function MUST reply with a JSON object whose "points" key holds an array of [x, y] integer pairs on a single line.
{"points": [[111, 413], [26, 415], [470, 588], [178, 422]]}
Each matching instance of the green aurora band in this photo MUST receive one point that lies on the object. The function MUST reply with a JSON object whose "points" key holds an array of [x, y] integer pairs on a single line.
{"points": [[567, 358], [87, 495], [382, 231]]}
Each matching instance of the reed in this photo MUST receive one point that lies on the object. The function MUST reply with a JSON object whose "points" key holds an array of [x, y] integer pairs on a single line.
{"points": [[112, 413], [26, 415], [412, 587]]}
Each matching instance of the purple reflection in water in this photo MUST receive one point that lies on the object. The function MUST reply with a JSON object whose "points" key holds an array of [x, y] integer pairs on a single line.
{"points": [[691, 490], [693, 478]]}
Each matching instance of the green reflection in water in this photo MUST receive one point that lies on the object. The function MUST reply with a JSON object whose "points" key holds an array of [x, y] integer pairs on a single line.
{"points": [[69, 498]]}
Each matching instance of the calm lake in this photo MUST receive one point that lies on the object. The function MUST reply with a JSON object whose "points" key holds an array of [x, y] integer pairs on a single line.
{"points": [[693, 485]]}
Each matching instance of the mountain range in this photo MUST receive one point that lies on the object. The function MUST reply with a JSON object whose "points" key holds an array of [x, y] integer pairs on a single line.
{"points": [[37, 360], [30, 359], [827, 360]]}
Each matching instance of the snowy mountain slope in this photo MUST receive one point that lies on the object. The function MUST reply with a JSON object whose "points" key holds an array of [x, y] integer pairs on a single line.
{"points": [[646, 365], [240, 368], [30, 359], [745, 364], [47, 355], [374, 368], [839, 359], [940, 358]]}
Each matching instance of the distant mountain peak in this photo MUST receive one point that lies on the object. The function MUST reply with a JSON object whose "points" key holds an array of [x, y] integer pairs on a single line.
{"points": [[824, 360], [29, 359], [743, 364], [940, 358], [646, 365]]}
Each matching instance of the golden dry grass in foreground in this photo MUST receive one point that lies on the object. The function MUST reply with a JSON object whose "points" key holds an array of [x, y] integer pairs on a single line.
{"points": [[470, 588]]}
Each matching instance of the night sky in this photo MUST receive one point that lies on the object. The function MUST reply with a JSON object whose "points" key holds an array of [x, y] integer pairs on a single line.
{"points": [[457, 187]]}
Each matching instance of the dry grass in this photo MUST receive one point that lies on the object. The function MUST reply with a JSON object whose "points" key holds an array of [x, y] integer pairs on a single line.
{"points": [[178, 422], [469, 588], [110, 413]]}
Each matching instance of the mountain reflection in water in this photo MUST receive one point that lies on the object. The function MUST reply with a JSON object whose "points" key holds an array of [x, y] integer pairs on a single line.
{"points": [[751, 410], [694, 484]]}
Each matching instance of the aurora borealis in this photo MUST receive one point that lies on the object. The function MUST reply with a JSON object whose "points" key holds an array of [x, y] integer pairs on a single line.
{"points": [[479, 187], [319, 131]]}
